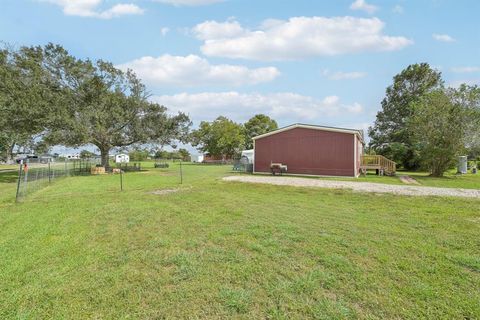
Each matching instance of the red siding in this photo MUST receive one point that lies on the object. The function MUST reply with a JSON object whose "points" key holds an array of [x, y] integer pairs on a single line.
{"points": [[307, 151]]}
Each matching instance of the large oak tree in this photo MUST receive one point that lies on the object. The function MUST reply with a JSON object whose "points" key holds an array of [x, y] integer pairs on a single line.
{"points": [[106, 107]]}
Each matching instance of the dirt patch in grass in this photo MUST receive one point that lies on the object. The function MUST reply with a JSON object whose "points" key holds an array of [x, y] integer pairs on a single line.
{"points": [[162, 192], [408, 180], [158, 173]]}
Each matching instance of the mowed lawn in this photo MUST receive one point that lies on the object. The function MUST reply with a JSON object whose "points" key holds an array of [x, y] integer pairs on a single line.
{"points": [[80, 249]]}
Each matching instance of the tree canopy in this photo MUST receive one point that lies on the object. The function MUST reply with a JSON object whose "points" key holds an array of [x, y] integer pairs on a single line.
{"points": [[390, 135], [437, 130], [257, 125], [221, 137], [73, 102], [27, 100]]}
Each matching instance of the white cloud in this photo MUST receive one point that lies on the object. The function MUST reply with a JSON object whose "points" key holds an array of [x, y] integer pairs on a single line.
{"points": [[218, 30], [364, 6], [120, 10], [469, 82], [339, 75], [189, 2], [193, 70], [465, 69], [164, 31], [290, 107], [443, 37], [398, 9], [89, 8], [297, 38]]}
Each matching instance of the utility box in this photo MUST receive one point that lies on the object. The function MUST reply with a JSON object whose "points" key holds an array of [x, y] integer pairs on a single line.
{"points": [[462, 165]]}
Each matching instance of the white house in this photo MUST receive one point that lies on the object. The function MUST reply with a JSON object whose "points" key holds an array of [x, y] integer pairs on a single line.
{"points": [[122, 158]]}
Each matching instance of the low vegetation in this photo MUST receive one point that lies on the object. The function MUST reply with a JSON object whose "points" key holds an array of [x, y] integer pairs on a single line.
{"points": [[80, 248]]}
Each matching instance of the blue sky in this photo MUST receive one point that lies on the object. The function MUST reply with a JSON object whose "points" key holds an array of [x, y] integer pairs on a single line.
{"points": [[319, 62]]}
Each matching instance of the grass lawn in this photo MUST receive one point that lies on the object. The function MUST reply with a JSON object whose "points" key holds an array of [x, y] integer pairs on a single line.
{"points": [[8, 167], [450, 180], [80, 248]]}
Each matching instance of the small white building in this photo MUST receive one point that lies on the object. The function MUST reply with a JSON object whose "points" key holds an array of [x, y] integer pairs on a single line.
{"points": [[196, 158], [122, 158]]}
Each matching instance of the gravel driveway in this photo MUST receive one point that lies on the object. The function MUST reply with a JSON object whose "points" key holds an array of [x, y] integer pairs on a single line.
{"points": [[358, 186]]}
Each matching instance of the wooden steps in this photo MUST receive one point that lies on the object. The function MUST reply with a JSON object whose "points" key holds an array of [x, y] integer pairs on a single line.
{"points": [[378, 162]]}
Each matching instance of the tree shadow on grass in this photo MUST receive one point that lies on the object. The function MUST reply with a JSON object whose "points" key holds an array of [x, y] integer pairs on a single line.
{"points": [[8, 177]]}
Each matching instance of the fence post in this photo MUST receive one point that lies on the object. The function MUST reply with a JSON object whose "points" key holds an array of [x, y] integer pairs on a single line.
{"points": [[25, 174], [181, 173], [66, 167], [121, 180], [18, 182], [49, 173]]}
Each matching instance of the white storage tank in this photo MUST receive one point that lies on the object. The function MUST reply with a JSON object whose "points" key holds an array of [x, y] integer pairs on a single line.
{"points": [[462, 164]]}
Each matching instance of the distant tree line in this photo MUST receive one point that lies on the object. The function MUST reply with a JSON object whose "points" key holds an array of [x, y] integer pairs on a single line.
{"points": [[425, 125], [226, 138], [48, 97]]}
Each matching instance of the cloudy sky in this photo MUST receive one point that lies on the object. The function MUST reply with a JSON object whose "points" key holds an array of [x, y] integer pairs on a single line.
{"points": [[317, 62]]}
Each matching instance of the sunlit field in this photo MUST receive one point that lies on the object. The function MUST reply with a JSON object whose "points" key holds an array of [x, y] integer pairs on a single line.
{"points": [[81, 248]]}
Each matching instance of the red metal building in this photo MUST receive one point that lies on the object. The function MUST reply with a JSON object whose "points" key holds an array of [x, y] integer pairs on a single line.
{"points": [[310, 150]]}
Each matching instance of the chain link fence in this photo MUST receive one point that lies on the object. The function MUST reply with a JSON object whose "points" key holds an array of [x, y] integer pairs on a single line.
{"points": [[35, 174]]}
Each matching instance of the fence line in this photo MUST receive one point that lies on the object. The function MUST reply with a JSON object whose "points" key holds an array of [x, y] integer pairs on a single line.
{"points": [[35, 174]]}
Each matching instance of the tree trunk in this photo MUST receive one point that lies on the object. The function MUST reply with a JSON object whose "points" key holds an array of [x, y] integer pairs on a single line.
{"points": [[104, 155], [9, 154]]}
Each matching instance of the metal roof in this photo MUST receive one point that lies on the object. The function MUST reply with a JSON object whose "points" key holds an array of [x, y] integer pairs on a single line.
{"points": [[359, 133]]}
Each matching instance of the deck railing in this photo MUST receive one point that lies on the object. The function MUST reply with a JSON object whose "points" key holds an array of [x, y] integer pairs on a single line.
{"points": [[378, 162]]}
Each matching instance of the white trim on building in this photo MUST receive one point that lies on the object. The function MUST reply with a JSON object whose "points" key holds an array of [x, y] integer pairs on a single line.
{"points": [[307, 126]]}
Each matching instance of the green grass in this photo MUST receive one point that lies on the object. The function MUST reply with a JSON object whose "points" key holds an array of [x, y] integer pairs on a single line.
{"points": [[80, 248], [450, 180], [8, 166]]}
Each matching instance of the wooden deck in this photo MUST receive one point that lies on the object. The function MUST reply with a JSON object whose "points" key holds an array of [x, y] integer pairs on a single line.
{"points": [[378, 162]]}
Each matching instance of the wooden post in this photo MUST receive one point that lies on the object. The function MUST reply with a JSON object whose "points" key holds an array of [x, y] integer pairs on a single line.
{"points": [[49, 173]]}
